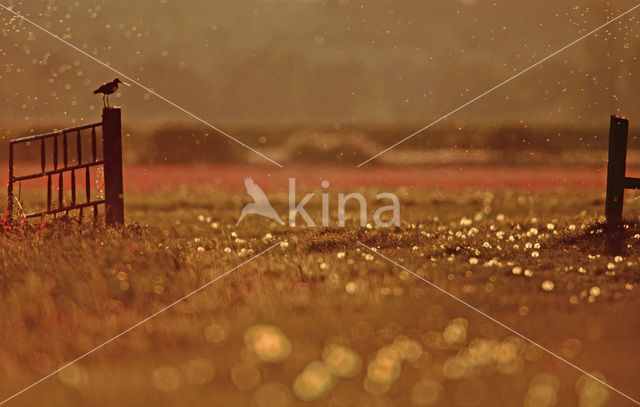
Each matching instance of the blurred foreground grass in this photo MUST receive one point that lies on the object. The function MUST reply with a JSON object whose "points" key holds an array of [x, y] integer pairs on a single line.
{"points": [[320, 321]]}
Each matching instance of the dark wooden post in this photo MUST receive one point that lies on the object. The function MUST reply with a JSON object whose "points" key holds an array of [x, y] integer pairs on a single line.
{"points": [[10, 186], [616, 170], [112, 150]]}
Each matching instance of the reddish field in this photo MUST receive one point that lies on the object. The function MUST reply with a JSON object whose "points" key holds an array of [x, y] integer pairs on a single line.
{"points": [[229, 177]]}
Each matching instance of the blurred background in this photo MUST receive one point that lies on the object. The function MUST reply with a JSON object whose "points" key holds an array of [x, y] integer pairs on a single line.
{"points": [[320, 320], [335, 80]]}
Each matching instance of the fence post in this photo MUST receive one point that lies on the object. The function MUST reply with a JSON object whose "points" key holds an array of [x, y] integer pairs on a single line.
{"points": [[616, 170], [10, 185], [112, 151]]}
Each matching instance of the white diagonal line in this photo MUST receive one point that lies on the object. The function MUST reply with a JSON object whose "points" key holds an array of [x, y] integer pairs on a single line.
{"points": [[500, 85], [138, 324], [139, 84], [499, 323]]}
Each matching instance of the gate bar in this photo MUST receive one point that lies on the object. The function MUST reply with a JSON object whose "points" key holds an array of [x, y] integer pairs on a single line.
{"points": [[617, 181]]}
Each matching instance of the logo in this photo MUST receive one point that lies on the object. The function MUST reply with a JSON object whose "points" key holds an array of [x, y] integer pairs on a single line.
{"points": [[262, 206]]}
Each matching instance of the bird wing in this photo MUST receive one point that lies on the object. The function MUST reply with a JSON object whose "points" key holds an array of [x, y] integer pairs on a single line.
{"points": [[102, 89], [256, 192]]}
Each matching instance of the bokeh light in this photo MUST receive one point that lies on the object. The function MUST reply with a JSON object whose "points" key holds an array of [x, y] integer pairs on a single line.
{"points": [[268, 342], [456, 331], [199, 371], [166, 379], [341, 361], [313, 382], [271, 395], [74, 376], [542, 391], [245, 376], [591, 393], [427, 392]]}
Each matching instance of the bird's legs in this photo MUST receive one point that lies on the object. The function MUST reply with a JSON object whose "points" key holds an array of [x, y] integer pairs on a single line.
{"points": [[107, 100]]}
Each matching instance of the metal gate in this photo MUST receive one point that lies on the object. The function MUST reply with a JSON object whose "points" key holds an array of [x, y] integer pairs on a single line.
{"points": [[53, 167]]}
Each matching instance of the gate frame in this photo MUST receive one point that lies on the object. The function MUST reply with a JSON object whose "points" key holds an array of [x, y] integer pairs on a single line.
{"points": [[112, 163], [617, 181]]}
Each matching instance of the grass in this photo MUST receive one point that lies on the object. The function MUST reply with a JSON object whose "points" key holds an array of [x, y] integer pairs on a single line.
{"points": [[320, 320]]}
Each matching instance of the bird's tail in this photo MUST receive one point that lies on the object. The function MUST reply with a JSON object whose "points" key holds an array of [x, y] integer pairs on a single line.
{"points": [[241, 216], [95, 92]]}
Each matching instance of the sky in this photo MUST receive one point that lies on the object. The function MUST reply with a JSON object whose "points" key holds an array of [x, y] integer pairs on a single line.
{"points": [[309, 62]]}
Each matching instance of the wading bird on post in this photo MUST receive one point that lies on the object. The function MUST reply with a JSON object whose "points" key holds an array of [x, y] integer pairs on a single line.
{"points": [[107, 89]]}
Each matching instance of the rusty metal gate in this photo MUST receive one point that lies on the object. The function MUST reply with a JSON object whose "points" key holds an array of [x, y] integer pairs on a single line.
{"points": [[107, 132]]}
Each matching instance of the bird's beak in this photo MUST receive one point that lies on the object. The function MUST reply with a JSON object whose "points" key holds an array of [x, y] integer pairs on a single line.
{"points": [[125, 83]]}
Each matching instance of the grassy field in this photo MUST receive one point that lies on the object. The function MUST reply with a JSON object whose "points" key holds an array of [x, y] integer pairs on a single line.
{"points": [[320, 320]]}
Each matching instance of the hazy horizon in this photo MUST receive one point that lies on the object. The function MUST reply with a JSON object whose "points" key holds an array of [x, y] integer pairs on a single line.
{"points": [[289, 62]]}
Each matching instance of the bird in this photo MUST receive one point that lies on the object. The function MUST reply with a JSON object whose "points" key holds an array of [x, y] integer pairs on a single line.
{"points": [[107, 89], [260, 206]]}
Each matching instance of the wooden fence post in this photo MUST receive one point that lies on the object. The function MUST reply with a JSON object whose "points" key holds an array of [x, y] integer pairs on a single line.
{"points": [[616, 170], [10, 185], [112, 150]]}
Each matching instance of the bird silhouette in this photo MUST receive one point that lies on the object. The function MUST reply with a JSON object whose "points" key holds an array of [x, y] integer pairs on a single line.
{"points": [[260, 206], [107, 89]]}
